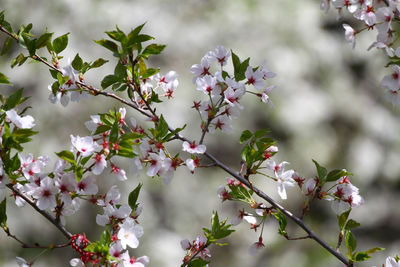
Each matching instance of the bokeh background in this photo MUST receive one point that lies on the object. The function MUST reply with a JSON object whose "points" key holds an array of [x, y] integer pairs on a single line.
{"points": [[328, 106]]}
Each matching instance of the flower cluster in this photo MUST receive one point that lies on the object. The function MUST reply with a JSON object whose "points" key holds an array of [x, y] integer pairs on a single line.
{"points": [[225, 90], [196, 247], [378, 15]]}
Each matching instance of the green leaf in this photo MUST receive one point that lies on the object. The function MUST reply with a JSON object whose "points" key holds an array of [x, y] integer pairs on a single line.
{"points": [[198, 262], [336, 174], [98, 63], [133, 197], [360, 256], [110, 45], [282, 222], [30, 44], [239, 67], [153, 49], [85, 160], [114, 132], [60, 43], [150, 72], [351, 242], [117, 35], [54, 87], [43, 40], [6, 45], [77, 63], [320, 170], [3, 214], [22, 135], [260, 133], [246, 135], [79, 173], [105, 238], [109, 80], [373, 250], [20, 59], [343, 218], [162, 127], [14, 99], [101, 129], [4, 79], [351, 224], [67, 156]]}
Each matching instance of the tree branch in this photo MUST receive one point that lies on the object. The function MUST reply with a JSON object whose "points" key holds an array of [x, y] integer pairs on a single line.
{"points": [[45, 214]]}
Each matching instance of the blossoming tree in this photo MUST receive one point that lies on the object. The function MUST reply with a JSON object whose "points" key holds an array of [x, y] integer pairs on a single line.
{"points": [[144, 141]]}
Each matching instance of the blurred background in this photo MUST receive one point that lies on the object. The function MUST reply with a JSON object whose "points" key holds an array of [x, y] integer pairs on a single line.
{"points": [[328, 106]]}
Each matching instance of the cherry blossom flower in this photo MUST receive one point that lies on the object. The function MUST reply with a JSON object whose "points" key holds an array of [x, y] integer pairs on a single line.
{"points": [[155, 163], [93, 123], [134, 262], [223, 123], [222, 193], [45, 194], [86, 186], [116, 250], [256, 246], [26, 122], [265, 95], [185, 244], [350, 34], [221, 55], [120, 173], [76, 262], [112, 212], [255, 78], [391, 262], [192, 164], [192, 148], [284, 178], [207, 85], [129, 233], [99, 164], [309, 186], [267, 74], [22, 262], [66, 184], [392, 81], [84, 145], [201, 69], [112, 197]]}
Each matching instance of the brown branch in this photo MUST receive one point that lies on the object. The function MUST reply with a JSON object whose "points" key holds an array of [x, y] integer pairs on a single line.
{"points": [[36, 245], [45, 214]]}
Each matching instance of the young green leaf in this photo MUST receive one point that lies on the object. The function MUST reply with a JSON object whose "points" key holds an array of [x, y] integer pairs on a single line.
{"points": [[4, 79], [133, 196], [336, 174], [98, 63], [153, 49], [246, 135], [67, 156], [14, 99], [6, 46], [320, 170], [3, 213], [351, 224], [43, 40], [351, 242], [77, 63], [198, 262], [110, 45], [343, 218], [60, 43]]}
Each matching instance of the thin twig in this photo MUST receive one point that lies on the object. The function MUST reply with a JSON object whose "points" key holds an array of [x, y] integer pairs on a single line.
{"points": [[45, 214]]}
